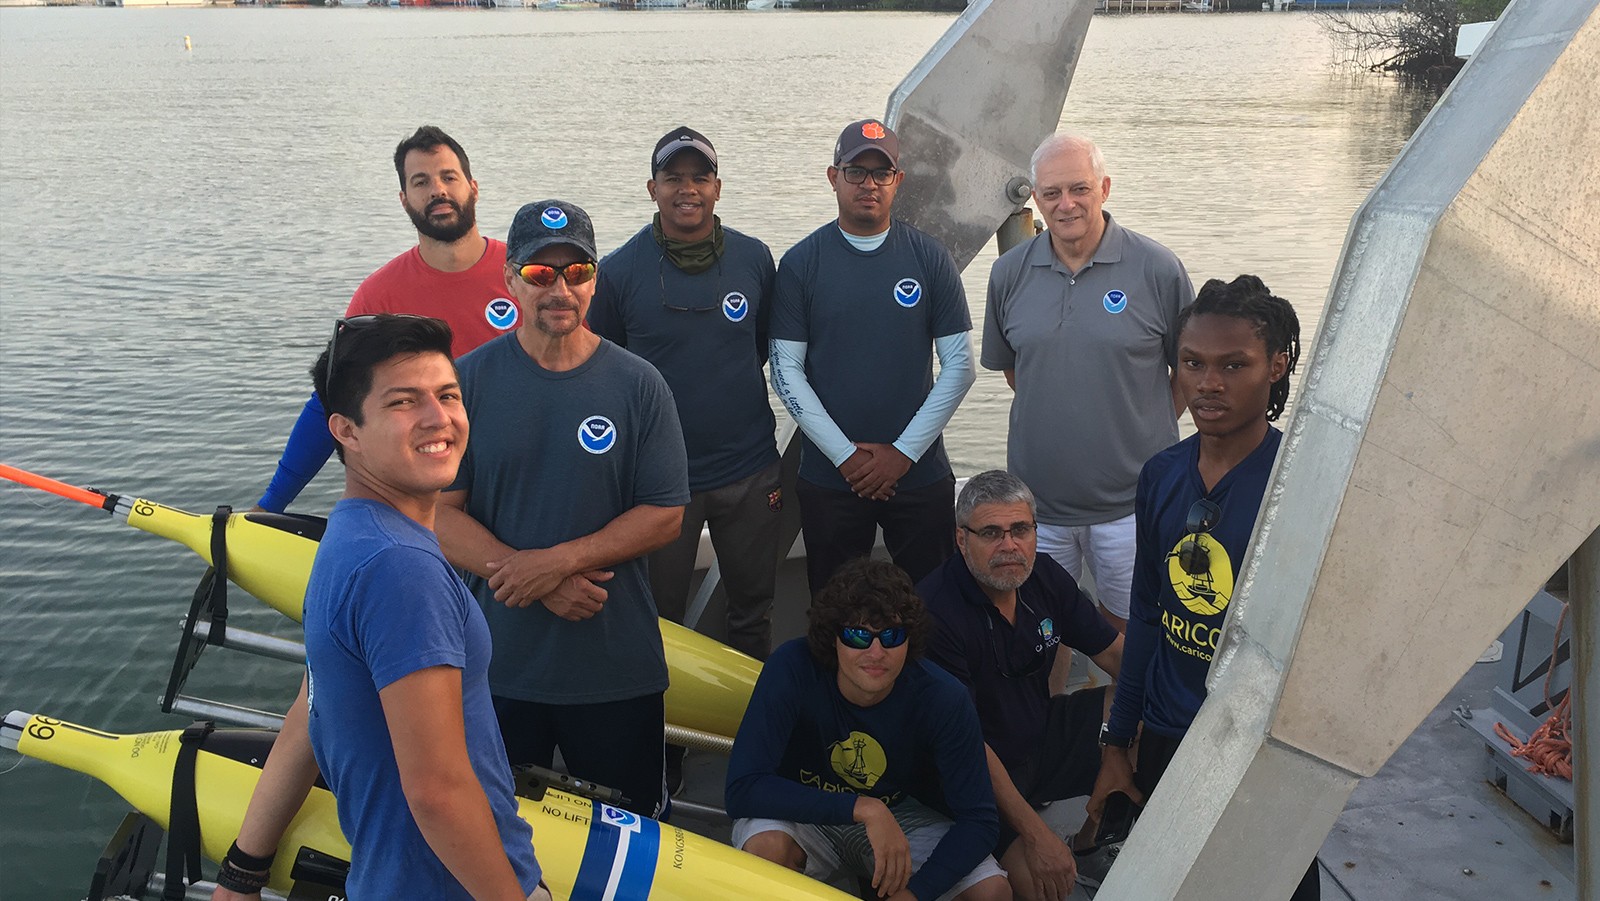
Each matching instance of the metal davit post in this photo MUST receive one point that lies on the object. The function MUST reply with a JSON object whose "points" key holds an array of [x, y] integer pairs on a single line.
{"points": [[1584, 596]]}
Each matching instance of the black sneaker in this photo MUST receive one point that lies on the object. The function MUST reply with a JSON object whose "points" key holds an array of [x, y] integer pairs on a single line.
{"points": [[675, 769], [1094, 864]]}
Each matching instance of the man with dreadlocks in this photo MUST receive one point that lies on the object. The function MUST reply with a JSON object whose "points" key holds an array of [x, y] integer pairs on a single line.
{"points": [[1195, 508]]}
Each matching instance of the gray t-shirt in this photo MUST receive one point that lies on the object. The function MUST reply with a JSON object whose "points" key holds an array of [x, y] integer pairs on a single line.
{"points": [[1091, 353], [554, 456], [869, 319], [707, 334]]}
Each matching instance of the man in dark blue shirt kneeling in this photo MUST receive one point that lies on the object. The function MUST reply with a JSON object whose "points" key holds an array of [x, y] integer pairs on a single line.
{"points": [[857, 757]]}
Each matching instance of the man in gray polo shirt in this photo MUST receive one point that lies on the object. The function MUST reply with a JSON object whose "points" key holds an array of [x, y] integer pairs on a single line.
{"points": [[860, 304], [575, 472], [694, 298], [1080, 319]]}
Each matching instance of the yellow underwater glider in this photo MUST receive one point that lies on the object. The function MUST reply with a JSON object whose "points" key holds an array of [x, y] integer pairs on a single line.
{"points": [[270, 554], [589, 850]]}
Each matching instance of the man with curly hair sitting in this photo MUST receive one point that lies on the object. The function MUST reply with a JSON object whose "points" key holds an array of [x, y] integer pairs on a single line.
{"points": [[858, 757]]}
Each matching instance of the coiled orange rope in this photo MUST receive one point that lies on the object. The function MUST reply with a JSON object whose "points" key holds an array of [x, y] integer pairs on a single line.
{"points": [[1549, 748]]}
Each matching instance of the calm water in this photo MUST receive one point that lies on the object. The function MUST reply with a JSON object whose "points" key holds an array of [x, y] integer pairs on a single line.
{"points": [[179, 227]]}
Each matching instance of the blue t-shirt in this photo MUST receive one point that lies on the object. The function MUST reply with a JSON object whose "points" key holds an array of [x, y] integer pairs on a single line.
{"points": [[1007, 666], [707, 335], [382, 604], [869, 319], [555, 456], [804, 753], [1175, 618]]}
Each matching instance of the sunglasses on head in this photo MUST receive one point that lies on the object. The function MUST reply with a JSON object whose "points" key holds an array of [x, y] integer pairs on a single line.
{"points": [[354, 322], [542, 276], [1193, 557], [860, 637]]}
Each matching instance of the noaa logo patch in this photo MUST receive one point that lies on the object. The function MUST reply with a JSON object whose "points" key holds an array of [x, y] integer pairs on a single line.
{"points": [[621, 819], [553, 218], [907, 292], [501, 313], [735, 306], [597, 435], [1115, 301]]}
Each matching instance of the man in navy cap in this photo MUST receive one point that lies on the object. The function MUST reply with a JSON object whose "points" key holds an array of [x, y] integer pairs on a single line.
{"points": [[576, 471], [860, 302], [694, 298]]}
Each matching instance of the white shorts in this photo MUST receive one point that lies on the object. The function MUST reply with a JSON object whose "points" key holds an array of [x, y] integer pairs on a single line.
{"points": [[1105, 549], [832, 851]]}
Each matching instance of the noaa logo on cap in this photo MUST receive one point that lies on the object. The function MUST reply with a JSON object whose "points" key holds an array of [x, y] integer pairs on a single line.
{"points": [[735, 306], [907, 292], [621, 819], [553, 217], [1115, 301], [597, 435], [501, 313]]}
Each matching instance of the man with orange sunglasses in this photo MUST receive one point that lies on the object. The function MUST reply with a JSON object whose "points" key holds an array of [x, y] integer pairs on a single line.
{"points": [[575, 472]]}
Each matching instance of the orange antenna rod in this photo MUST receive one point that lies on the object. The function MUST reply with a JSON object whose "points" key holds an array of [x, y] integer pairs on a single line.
{"points": [[71, 492]]}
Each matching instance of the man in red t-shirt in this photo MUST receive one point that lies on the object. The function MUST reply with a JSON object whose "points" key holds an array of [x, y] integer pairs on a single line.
{"points": [[453, 273]]}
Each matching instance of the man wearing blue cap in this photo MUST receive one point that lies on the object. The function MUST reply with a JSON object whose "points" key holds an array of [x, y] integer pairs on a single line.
{"points": [[576, 471], [860, 304]]}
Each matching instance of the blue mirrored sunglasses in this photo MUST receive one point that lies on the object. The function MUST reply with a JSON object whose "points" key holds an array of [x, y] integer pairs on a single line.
{"points": [[860, 637]]}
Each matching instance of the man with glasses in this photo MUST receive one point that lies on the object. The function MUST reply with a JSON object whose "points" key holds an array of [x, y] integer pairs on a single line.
{"points": [[858, 758], [576, 471], [999, 613], [1196, 508], [454, 274], [1082, 322], [859, 304], [694, 297]]}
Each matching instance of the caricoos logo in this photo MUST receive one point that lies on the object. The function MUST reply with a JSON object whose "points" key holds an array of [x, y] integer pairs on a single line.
{"points": [[597, 435]]}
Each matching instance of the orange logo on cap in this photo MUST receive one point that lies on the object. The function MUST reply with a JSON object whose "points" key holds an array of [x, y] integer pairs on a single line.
{"points": [[873, 131]]}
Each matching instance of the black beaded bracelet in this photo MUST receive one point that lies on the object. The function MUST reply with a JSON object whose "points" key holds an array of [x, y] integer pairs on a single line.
{"points": [[248, 861], [230, 877]]}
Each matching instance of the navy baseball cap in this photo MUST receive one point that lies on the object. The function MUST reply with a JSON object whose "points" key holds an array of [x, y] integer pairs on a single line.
{"points": [[678, 140], [868, 134], [546, 223]]}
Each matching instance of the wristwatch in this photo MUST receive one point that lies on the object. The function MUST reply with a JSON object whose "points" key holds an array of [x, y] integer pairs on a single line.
{"points": [[1107, 740]]}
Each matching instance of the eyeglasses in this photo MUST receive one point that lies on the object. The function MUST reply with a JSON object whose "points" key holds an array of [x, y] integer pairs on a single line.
{"points": [[1193, 557], [857, 174], [860, 637], [354, 322], [710, 302], [542, 276], [1019, 531], [1002, 661]]}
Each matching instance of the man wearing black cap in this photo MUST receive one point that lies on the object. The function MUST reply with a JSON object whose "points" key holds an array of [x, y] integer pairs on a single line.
{"points": [[859, 303], [694, 298], [576, 470]]}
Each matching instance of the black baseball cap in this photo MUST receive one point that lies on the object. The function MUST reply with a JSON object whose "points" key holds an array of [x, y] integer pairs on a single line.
{"points": [[678, 140], [867, 134], [545, 223]]}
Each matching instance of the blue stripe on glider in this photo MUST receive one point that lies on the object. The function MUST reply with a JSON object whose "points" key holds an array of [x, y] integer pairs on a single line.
{"points": [[595, 869], [639, 870]]}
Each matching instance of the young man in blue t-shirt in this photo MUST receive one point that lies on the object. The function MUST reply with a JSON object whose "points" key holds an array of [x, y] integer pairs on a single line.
{"points": [[396, 698], [856, 757], [1195, 508], [861, 304]]}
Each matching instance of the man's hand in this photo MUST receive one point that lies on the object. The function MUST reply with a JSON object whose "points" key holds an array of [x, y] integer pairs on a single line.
{"points": [[578, 597], [884, 467], [1051, 864], [891, 853], [221, 894], [1116, 774], [526, 576], [856, 464]]}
